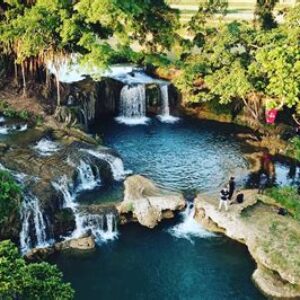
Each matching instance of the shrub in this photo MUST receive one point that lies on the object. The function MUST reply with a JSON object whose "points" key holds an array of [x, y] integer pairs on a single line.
{"points": [[10, 195]]}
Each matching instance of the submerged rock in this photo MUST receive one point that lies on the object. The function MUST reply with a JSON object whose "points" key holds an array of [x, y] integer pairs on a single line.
{"points": [[147, 203], [272, 240]]}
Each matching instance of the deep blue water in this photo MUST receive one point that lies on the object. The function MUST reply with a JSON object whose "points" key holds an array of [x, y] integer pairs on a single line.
{"points": [[189, 156], [151, 264]]}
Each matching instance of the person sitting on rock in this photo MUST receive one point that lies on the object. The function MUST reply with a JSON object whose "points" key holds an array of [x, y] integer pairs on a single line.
{"points": [[224, 198]]}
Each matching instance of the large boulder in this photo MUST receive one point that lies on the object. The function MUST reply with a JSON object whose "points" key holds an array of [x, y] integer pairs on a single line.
{"points": [[147, 202]]}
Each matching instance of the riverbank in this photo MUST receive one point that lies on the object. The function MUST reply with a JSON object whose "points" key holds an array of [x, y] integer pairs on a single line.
{"points": [[272, 239], [274, 138]]}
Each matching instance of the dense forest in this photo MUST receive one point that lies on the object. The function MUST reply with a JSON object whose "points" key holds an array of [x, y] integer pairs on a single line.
{"points": [[252, 64], [238, 66]]}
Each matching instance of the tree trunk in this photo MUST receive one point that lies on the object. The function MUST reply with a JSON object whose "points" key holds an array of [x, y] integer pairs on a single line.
{"points": [[24, 80], [253, 113], [16, 74], [57, 87]]}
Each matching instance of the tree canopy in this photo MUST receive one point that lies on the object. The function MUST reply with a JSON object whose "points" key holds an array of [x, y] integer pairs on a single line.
{"points": [[20, 280]]}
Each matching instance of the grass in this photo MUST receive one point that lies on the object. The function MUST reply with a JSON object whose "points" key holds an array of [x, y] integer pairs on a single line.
{"points": [[288, 198]]}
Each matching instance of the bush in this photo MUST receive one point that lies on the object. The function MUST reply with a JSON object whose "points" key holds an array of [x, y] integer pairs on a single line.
{"points": [[20, 280], [10, 196], [288, 198]]}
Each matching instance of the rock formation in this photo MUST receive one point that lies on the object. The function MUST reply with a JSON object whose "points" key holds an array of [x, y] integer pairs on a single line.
{"points": [[272, 239], [147, 203]]}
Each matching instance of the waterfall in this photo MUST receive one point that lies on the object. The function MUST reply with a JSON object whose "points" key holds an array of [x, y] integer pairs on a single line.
{"points": [[189, 227], [33, 232], [165, 116], [86, 177], [67, 190], [46, 147], [133, 105], [115, 163], [102, 226], [32, 219], [10, 129]]}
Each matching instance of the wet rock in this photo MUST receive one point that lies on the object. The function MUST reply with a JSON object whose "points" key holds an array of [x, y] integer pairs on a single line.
{"points": [[148, 203], [64, 222], [83, 243], [39, 254]]}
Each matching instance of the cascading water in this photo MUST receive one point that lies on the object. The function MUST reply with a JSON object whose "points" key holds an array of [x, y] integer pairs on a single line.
{"points": [[165, 116], [133, 105], [32, 219], [102, 226], [5, 129], [46, 147], [115, 163], [189, 228], [86, 177], [34, 226], [67, 190]]}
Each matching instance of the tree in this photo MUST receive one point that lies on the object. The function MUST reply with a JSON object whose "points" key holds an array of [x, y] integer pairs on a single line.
{"points": [[276, 65], [264, 12], [20, 280], [10, 197], [207, 10], [232, 83]]}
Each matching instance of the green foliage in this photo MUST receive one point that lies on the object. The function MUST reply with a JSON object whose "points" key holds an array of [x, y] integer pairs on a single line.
{"points": [[295, 142], [288, 198], [29, 281], [10, 112], [264, 12], [229, 83], [239, 62], [9, 197]]}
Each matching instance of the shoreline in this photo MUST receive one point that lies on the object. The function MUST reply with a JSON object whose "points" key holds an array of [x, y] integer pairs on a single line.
{"points": [[270, 238]]}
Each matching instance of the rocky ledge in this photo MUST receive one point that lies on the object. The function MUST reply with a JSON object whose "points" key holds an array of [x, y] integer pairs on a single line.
{"points": [[147, 203], [272, 239]]}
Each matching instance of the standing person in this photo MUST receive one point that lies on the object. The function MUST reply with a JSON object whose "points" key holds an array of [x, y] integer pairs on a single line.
{"points": [[263, 183], [231, 187], [224, 198]]}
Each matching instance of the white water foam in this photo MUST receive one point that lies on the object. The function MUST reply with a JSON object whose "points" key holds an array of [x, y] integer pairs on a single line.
{"points": [[87, 179], [189, 228], [133, 105], [102, 226], [132, 121], [31, 213], [22, 128], [4, 130], [46, 147], [10, 129], [2, 119], [115, 163], [165, 116]]}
